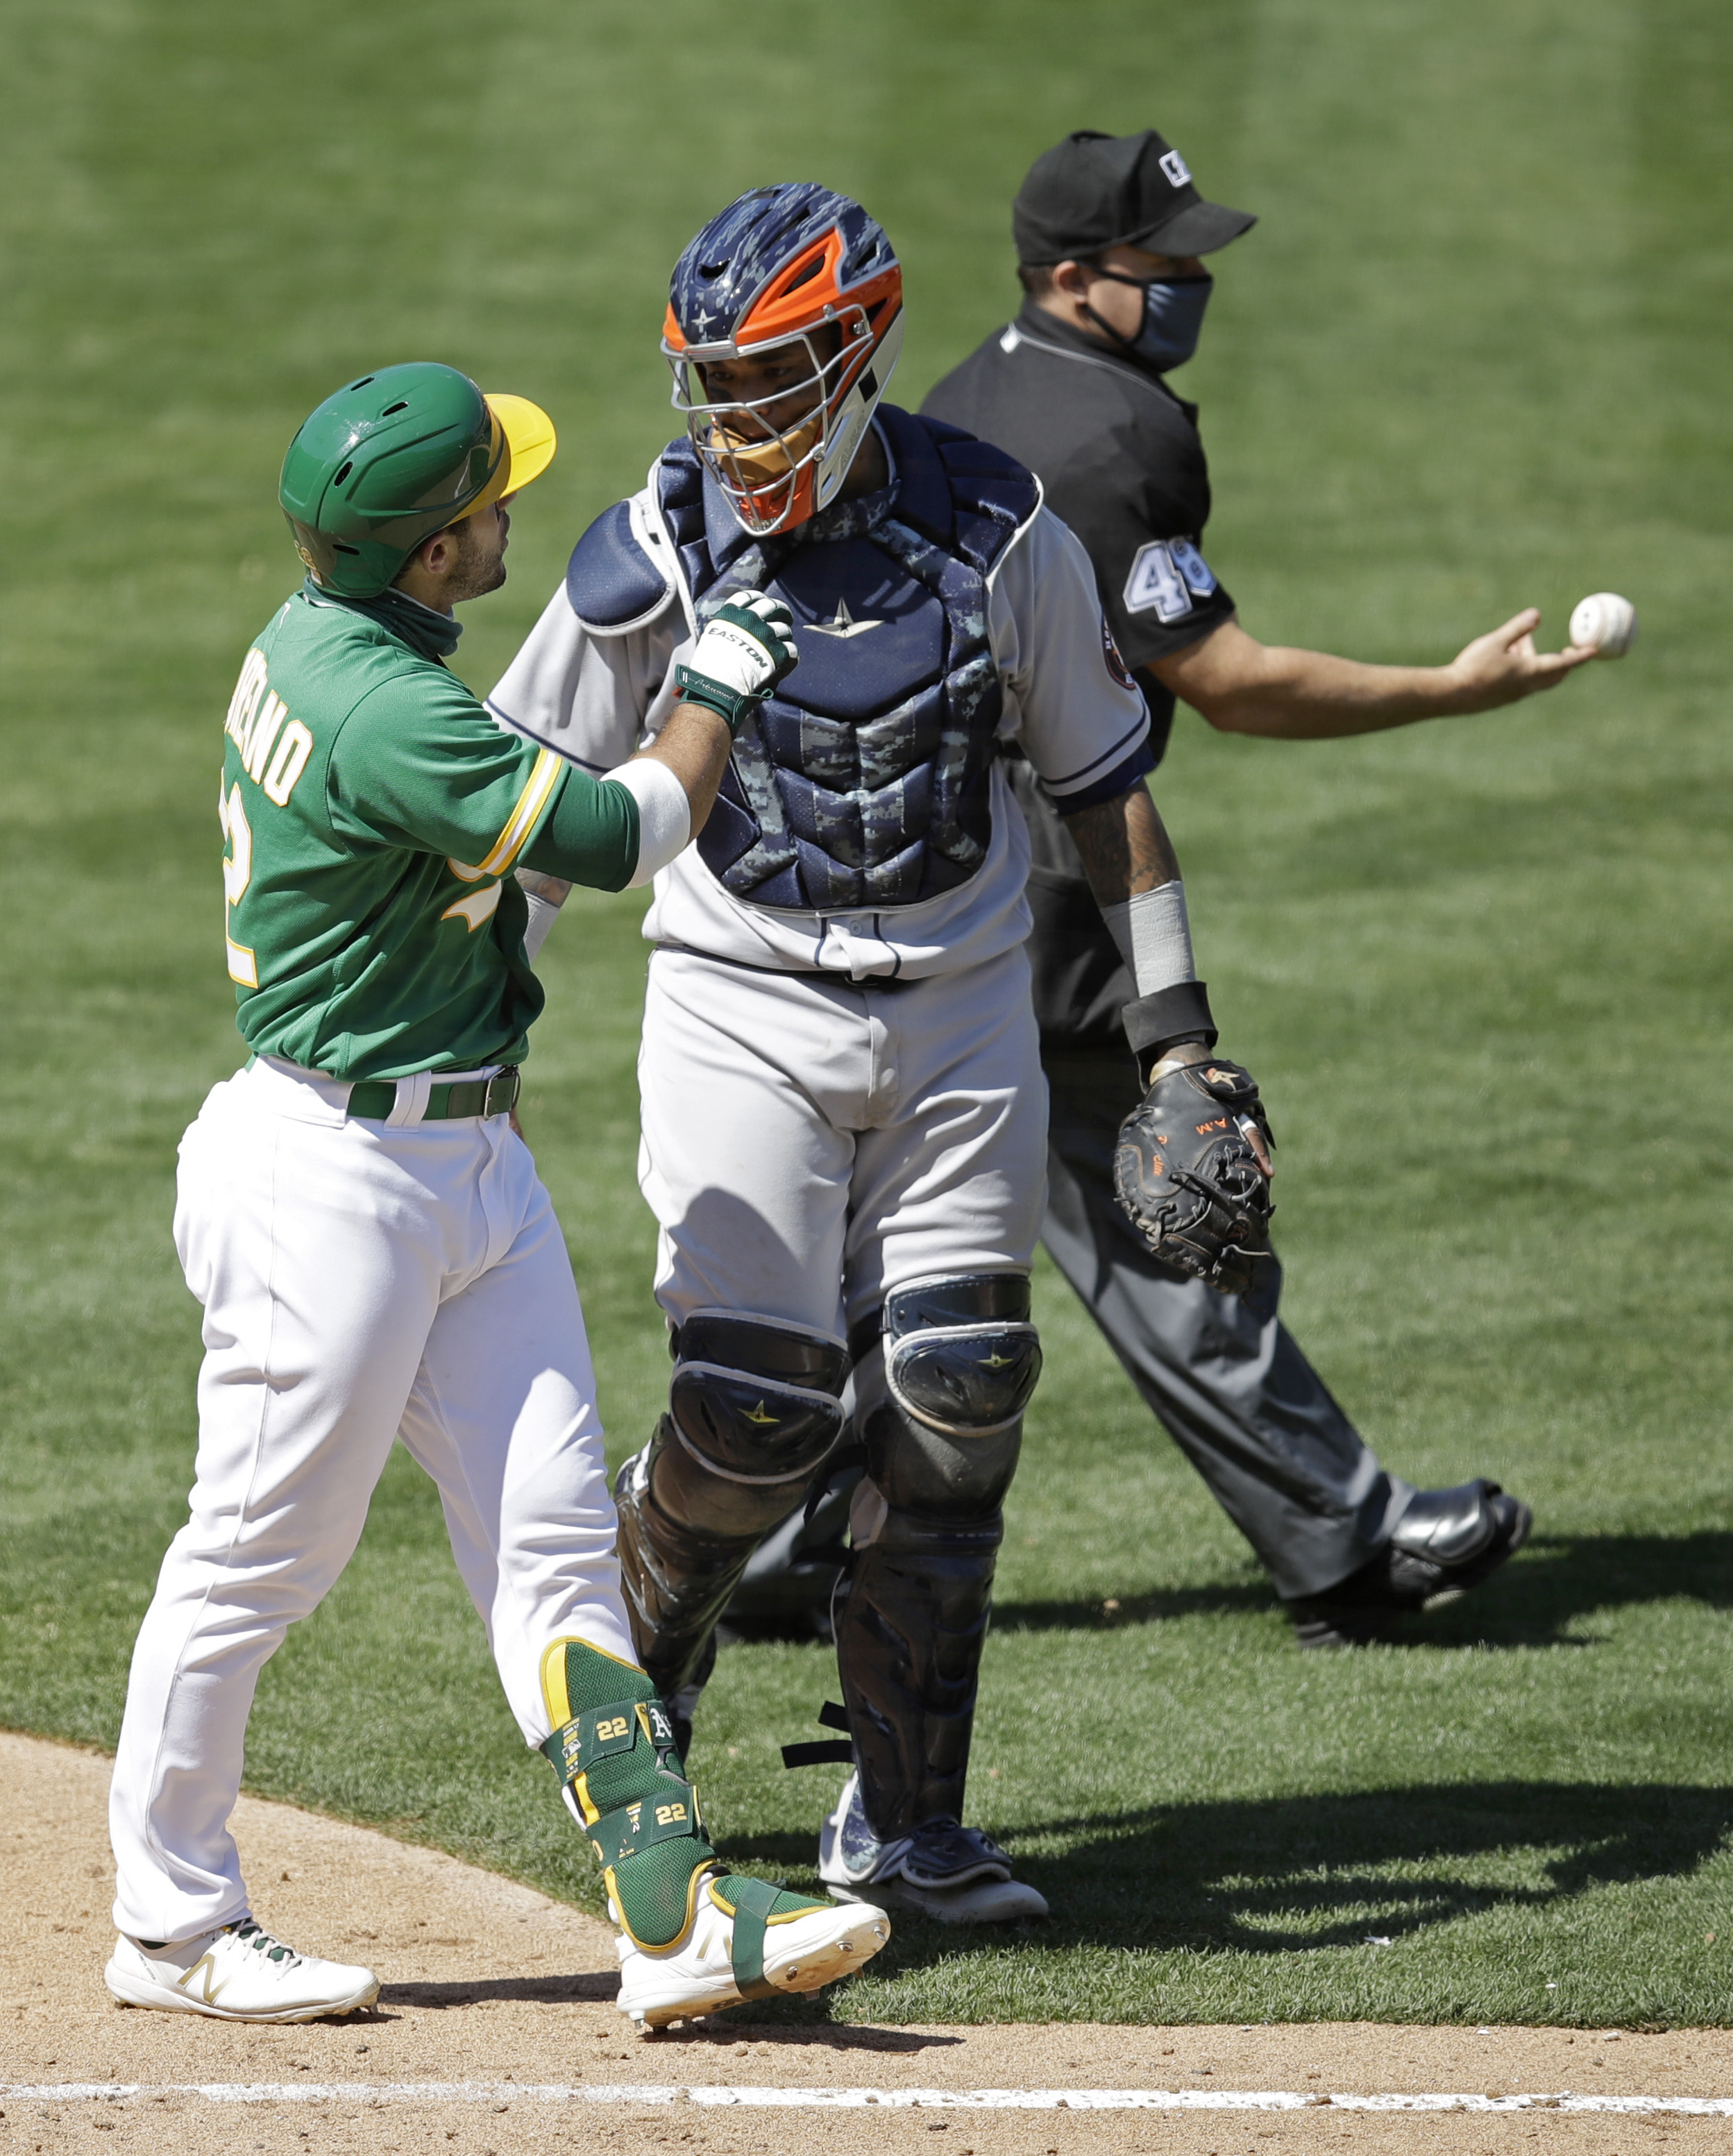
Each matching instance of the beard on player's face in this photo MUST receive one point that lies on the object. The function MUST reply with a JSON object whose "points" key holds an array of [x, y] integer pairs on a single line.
{"points": [[480, 567]]}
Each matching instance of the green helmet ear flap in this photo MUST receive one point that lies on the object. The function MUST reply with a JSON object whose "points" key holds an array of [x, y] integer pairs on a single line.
{"points": [[384, 463]]}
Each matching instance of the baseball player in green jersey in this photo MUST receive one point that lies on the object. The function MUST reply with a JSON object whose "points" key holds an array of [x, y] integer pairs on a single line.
{"points": [[374, 1252]]}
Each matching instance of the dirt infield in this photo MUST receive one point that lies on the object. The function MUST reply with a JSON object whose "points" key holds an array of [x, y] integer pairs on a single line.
{"points": [[503, 2001]]}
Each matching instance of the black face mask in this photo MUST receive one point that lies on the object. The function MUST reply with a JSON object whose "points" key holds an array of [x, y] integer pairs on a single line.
{"points": [[1172, 318]]}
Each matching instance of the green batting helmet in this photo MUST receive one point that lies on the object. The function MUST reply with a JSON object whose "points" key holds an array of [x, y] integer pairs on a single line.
{"points": [[392, 459]]}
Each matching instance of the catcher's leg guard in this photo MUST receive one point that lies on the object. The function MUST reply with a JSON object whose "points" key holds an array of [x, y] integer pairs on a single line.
{"points": [[753, 1413], [960, 1361], [697, 1937]]}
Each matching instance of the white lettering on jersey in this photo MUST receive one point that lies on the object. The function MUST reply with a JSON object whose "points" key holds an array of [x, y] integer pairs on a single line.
{"points": [[1155, 583], [257, 744], [244, 702], [291, 761], [1175, 167], [1199, 575], [257, 728]]}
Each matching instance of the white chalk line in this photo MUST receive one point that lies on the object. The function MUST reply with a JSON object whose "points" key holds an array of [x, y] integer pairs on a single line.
{"points": [[736, 2096]]}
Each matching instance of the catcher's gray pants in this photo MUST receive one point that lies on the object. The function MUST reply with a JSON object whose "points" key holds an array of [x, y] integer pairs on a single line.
{"points": [[1222, 1372]]}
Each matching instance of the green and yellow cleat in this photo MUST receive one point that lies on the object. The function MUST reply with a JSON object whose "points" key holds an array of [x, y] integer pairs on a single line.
{"points": [[746, 1941]]}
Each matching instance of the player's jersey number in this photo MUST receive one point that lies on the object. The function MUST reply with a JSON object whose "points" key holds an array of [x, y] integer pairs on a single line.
{"points": [[237, 875], [274, 750]]}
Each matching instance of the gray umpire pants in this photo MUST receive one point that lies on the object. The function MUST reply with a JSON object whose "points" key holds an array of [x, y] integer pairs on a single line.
{"points": [[1222, 1373]]}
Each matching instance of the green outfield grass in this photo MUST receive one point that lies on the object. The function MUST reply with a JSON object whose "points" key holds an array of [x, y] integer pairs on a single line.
{"points": [[1473, 357]]}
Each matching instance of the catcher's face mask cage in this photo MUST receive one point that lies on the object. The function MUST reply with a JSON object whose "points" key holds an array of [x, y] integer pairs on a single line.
{"points": [[824, 291]]}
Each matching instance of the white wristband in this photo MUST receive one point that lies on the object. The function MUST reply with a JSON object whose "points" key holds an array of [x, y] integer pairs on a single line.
{"points": [[1154, 936], [664, 815], [543, 914]]}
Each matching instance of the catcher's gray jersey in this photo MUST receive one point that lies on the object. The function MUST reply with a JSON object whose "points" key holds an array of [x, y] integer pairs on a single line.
{"points": [[596, 695]]}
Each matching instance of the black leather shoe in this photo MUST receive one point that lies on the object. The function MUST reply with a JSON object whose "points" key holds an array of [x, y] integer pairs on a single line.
{"points": [[1447, 1542]]}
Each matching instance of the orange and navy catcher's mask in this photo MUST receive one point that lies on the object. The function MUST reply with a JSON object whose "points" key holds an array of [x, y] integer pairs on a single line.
{"points": [[793, 270]]}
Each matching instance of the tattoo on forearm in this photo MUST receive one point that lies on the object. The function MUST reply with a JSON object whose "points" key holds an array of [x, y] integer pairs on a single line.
{"points": [[1124, 847]]}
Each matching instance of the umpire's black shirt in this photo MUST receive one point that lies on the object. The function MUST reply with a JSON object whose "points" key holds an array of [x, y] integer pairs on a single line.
{"points": [[1120, 460]]}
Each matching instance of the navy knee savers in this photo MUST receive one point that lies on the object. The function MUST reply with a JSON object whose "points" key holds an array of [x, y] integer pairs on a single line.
{"points": [[960, 1362], [754, 1410]]}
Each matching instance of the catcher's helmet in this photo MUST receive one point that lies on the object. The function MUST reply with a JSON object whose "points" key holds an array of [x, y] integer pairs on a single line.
{"points": [[389, 460], [798, 265]]}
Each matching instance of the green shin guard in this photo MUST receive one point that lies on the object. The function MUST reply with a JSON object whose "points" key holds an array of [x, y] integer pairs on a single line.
{"points": [[613, 1749]]}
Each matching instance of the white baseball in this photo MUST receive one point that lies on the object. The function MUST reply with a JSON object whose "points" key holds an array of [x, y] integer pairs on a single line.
{"points": [[1605, 621]]}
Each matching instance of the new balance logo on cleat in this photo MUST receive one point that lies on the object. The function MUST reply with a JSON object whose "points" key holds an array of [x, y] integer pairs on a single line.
{"points": [[210, 1990], [237, 1973]]}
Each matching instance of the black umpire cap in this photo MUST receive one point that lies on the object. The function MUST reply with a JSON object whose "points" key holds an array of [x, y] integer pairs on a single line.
{"points": [[1095, 191]]}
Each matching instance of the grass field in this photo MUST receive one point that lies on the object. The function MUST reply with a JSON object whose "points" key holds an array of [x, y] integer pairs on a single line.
{"points": [[1473, 357]]}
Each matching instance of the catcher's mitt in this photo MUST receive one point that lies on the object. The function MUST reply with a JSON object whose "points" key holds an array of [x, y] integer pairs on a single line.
{"points": [[1191, 1172]]}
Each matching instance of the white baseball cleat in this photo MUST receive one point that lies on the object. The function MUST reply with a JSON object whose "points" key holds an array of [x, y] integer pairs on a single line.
{"points": [[237, 1973], [732, 1953]]}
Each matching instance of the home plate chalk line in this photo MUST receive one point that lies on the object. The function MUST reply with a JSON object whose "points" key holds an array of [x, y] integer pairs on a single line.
{"points": [[737, 2095]]}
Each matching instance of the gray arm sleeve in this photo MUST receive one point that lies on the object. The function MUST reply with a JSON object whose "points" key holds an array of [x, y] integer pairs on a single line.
{"points": [[1154, 936]]}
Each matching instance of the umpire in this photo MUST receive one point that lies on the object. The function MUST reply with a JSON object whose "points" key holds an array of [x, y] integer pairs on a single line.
{"points": [[1111, 235]]}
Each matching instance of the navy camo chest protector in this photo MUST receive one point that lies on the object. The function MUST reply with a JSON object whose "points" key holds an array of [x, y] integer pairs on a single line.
{"points": [[865, 782]]}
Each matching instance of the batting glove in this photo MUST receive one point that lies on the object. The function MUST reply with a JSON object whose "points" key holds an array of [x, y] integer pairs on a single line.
{"points": [[746, 647]]}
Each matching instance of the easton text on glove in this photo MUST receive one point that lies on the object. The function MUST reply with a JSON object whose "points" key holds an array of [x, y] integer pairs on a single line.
{"points": [[1191, 1173], [746, 648]]}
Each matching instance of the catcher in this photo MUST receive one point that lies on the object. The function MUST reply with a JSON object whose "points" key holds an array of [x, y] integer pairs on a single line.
{"points": [[843, 1110]]}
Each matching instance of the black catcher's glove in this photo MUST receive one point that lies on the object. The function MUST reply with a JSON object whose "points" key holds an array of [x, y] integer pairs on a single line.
{"points": [[1191, 1172]]}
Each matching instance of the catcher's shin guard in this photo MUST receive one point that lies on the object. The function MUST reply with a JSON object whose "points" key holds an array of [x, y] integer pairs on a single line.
{"points": [[753, 1413], [960, 1362]]}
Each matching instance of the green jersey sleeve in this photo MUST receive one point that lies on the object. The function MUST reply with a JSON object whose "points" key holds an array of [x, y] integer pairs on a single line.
{"points": [[580, 837], [421, 764]]}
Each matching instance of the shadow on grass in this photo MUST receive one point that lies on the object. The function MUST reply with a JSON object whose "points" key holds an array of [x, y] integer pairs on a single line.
{"points": [[1291, 1875], [1226, 1599], [1556, 1581], [1560, 1579]]}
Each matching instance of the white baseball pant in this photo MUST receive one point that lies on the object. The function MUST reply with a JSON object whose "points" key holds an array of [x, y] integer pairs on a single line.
{"points": [[359, 1282], [810, 1144]]}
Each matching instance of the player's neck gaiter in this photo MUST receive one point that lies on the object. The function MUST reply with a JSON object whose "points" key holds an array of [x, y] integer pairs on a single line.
{"points": [[1173, 319], [434, 635]]}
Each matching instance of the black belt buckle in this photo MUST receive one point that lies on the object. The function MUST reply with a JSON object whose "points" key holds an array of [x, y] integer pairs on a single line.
{"points": [[503, 1089]]}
